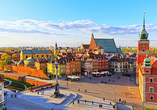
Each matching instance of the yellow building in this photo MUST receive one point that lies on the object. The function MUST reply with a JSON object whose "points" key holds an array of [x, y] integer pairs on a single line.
{"points": [[41, 64], [51, 68], [36, 53]]}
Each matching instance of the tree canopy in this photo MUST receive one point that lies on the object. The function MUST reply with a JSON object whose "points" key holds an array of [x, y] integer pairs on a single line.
{"points": [[6, 57], [14, 56]]}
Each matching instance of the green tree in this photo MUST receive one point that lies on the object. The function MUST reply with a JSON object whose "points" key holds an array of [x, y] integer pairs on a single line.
{"points": [[18, 49], [3, 64], [14, 56], [7, 49], [6, 57]]}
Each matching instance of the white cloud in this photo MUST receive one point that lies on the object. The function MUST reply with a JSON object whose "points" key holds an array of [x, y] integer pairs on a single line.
{"points": [[83, 26], [68, 25], [119, 30]]}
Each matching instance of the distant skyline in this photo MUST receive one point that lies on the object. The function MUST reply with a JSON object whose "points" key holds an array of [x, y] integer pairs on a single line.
{"points": [[71, 22]]}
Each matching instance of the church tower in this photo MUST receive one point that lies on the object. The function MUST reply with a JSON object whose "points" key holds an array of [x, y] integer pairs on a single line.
{"points": [[55, 49], [143, 48]]}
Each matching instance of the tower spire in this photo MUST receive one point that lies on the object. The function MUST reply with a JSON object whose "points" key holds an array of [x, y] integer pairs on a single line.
{"points": [[92, 35], [144, 20], [143, 35]]}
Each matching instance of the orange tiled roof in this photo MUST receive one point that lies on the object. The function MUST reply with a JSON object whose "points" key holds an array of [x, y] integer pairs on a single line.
{"points": [[99, 47]]}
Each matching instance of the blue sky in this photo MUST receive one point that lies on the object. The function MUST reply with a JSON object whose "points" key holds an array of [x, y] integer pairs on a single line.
{"points": [[71, 22]]}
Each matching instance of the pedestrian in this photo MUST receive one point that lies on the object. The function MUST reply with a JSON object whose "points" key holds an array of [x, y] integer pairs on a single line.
{"points": [[78, 101], [85, 90], [85, 101], [110, 103], [73, 103], [103, 99], [92, 102], [38, 93]]}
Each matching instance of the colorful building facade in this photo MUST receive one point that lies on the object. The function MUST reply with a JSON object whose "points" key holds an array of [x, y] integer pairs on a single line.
{"points": [[51, 68], [73, 68], [146, 70], [36, 54]]}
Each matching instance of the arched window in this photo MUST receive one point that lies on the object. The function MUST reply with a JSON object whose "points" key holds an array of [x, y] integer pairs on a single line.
{"points": [[26, 56]]}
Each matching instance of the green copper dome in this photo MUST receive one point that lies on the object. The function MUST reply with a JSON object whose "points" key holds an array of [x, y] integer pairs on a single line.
{"points": [[143, 34], [146, 61]]}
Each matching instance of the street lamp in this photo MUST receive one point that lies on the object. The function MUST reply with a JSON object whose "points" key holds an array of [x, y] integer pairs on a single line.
{"points": [[56, 93], [6, 93]]}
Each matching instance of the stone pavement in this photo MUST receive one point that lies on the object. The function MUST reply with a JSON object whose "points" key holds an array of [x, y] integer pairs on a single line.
{"points": [[122, 88], [20, 104], [32, 101]]}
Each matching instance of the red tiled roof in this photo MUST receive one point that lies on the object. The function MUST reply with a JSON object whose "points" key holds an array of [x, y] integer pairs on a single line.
{"points": [[16, 59], [85, 46], [1, 79], [99, 47], [154, 55]]}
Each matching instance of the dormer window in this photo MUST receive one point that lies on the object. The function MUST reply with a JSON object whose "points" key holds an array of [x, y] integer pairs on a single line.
{"points": [[143, 50]]}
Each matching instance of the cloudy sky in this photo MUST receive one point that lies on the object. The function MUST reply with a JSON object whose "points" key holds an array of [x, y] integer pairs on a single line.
{"points": [[71, 22]]}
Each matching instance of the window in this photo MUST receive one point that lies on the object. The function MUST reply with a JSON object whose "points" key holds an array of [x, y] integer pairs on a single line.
{"points": [[73, 69], [151, 79], [42, 55], [151, 97], [37, 55], [26, 56], [151, 89], [47, 55]]}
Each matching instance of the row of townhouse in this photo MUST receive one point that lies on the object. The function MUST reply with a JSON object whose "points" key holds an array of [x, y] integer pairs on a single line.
{"points": [[122, 64], [72, 64]]}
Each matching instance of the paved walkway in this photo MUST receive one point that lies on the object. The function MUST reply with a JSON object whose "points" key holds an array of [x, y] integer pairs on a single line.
{"points": [[32, 101]]}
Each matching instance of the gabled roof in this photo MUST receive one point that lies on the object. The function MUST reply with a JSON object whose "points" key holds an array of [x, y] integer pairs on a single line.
{"points": [[35, 51], [99, 47], [108, 45]]}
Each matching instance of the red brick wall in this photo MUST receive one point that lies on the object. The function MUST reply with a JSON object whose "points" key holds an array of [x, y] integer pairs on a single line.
{"points": [[151, 84], [29, 71], [140, 46], [20, 78], [35, 82]]}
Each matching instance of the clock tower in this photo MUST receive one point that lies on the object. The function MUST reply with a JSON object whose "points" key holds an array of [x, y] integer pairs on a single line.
{"points": [[143, 48]]}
